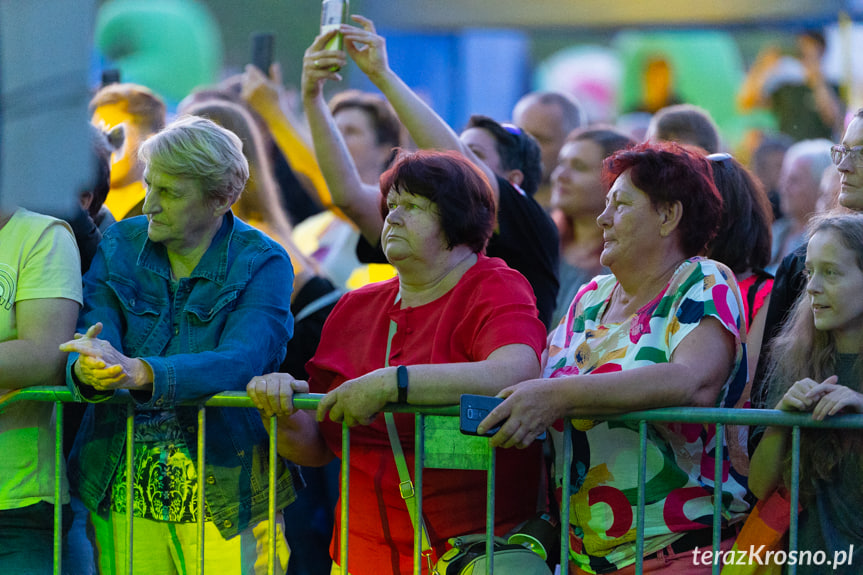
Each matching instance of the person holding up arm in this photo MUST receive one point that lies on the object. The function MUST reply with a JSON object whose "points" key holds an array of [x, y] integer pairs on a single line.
{"points": [[524, 235]]}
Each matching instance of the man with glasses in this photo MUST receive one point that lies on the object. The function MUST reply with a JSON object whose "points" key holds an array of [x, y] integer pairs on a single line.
{"points": [[790, 277], [848, 158]]}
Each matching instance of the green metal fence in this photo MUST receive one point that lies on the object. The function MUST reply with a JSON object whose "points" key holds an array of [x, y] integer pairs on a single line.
{"points": [[720, 417]]}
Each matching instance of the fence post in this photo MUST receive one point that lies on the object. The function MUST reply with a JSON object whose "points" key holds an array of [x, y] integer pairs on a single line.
{"points": [[642, 490], [202, 442], [564, 498], [345, 490], [58, 492], [271, 515], [489, 512], [419, 462], [718, 479], [130, 490], [795, 493]]}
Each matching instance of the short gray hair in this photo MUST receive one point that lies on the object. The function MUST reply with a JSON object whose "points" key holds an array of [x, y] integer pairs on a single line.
{"points": [[685, 124], [572, 113], [198, 148], [816, 151]]}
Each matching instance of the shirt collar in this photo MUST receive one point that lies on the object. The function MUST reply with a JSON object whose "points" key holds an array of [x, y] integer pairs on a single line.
{"points": [[213, 265]]}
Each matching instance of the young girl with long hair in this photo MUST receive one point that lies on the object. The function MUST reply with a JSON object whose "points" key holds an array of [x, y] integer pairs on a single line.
{"points": [[817, 367]]}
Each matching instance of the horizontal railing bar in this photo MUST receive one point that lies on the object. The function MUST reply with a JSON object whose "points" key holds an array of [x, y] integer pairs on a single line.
{"points": [[725, 416], [239, 399]]}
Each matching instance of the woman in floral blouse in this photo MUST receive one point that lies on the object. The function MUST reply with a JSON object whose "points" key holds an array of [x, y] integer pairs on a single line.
{"points": [[664, 329]]}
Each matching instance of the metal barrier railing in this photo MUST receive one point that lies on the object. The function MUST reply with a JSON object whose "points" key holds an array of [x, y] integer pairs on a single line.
{"points": [[719, 417]]}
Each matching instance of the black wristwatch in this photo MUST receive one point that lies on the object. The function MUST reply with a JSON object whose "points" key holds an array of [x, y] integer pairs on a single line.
{"points": [[402, 383]]}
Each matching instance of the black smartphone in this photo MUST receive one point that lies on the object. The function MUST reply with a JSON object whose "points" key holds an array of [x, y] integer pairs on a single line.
{"points": [[473, 409], [262, 51], [110, 76]]}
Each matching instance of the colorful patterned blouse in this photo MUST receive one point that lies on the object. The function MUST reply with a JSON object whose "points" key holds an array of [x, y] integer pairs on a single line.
{"points": [[680, 457]]}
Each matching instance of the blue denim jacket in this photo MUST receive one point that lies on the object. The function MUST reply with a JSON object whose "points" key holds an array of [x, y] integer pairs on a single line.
{"points": [[235, 324]]}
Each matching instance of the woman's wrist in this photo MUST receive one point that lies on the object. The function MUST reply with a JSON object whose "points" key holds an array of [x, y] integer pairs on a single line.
{"points": [[142, 375], [383, 79]]}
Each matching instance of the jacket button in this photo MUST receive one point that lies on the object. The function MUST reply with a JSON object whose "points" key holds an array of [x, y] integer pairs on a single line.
{"points": [[211, 480], [227, 523], [191, 429]]}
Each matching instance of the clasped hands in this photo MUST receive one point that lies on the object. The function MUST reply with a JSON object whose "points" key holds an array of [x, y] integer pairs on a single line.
{"points": [[102, 367], [822, 399]]}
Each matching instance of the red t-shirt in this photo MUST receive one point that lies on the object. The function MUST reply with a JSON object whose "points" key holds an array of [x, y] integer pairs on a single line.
{"points": [[490, 307], [758, 298]]}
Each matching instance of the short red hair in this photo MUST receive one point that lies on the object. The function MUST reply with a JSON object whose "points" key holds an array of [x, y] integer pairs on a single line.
{"points": [[669, 173]]}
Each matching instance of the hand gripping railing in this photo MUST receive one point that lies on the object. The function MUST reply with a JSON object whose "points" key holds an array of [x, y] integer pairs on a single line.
{"points": [[719, 417]]}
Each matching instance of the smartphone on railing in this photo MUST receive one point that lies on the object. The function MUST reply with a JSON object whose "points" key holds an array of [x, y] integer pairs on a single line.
{"points": [[474, 408]]}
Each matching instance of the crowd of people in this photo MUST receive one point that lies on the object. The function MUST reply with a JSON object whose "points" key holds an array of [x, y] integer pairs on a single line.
{"points": [[370, 253]]}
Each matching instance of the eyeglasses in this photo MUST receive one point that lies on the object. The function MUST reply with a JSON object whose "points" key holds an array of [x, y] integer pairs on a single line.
{"points": [[839, 153]]}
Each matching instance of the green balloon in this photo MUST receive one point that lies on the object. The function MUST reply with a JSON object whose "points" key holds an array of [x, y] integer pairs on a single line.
{"points": [[706, 68], [170, 46]]}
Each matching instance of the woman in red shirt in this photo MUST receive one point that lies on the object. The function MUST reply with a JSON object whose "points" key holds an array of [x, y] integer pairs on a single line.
{"points": [[462, 322]]}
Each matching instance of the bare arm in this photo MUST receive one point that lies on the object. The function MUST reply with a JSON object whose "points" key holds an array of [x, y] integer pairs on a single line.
{"points": [[263, 97], [826, 102], [359, 400], [428, 130], [768, 461], [697, 371], [359, 201], [751, 94], [34, 358], [765, 468]]}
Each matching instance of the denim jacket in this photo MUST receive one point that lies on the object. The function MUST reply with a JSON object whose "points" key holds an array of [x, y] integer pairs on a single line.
{"points": [[232, 319]]}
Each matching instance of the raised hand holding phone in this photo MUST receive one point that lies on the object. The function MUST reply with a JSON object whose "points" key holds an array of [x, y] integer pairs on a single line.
{"points": [[334, 13], [262, 51]]}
